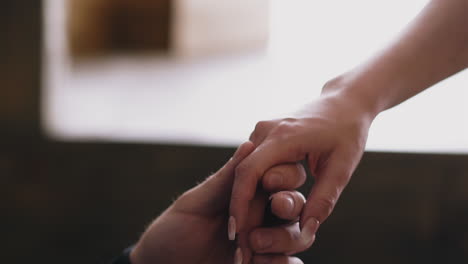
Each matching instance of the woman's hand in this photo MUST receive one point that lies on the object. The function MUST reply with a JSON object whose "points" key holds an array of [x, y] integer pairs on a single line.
{"points": [[329, 134]]}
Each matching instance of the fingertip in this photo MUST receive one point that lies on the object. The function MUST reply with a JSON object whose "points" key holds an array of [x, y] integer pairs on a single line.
{"points": [[287, 205], [283, 206], [286, 176], [308, 232]]}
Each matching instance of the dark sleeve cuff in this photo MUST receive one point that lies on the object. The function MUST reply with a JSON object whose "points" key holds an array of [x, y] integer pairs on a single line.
{"points": [[124, 258]]}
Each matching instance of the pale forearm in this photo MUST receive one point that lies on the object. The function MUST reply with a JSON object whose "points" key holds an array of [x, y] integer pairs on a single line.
{"points": [[433, 47]]}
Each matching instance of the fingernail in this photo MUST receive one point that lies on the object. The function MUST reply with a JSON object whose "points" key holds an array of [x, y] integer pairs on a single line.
{"points": [[232, 228], [264, 240], [309, 230], [238, 256], [276, 180], [288, 205]]}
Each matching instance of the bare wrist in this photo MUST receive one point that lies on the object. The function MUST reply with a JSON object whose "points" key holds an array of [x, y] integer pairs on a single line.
{"points": [[347, 90]]}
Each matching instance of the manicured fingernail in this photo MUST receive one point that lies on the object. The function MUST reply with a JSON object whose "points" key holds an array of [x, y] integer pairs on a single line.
{"points": [[238, 256], [309, 230], [276, 180], [264, 240], [232, 228]]}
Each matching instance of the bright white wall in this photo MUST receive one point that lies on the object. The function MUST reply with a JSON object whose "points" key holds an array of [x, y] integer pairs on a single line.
{"points": [[217, 101]]}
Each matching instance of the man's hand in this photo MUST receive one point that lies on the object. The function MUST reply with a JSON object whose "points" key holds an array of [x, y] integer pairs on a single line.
{"points": [[193, 229]]}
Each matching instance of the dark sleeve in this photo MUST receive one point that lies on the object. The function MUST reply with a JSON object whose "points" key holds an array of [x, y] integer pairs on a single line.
{"points": [[124, 258]]}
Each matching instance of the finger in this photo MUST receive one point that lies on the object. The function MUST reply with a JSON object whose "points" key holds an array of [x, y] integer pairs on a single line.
{"points": [[287, 204], [261, 131], [283, 239], [276, 259], [241, 153], [225, 175], [212, 195], [256, 215], [326, 191], [284, 177], [251, 170]]}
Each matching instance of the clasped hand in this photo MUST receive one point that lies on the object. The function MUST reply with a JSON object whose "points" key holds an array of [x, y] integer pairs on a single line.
{"points": [[193, 229]]}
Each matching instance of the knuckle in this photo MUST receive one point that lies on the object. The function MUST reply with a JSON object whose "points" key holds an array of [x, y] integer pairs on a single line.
{"points": [[260, 131], [286, 126], [289, 119], [252, 135], [262, 125], [255, 138]]}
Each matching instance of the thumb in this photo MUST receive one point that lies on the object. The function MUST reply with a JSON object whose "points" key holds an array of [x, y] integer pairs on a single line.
{"points": [[325, 193]]}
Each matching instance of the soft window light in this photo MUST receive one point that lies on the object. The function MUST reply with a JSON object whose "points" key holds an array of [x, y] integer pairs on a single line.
{"points": [[217, 100]]}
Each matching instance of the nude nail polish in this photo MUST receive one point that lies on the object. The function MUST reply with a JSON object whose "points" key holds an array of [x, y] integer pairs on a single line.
{"points": [[309, 230], [238, 256], [232, 228]]}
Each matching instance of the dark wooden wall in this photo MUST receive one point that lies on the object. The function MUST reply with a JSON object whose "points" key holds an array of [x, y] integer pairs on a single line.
{"points": [[71, 202], [400, 208], [20, 45], [109, 27]]}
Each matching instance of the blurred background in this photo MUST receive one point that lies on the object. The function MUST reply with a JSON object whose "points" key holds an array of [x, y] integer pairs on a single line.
{"points": [[110, 109]]}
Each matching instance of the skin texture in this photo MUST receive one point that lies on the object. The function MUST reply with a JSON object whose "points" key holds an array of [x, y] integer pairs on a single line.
{"points": [[193, 229], [330, 134]]}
